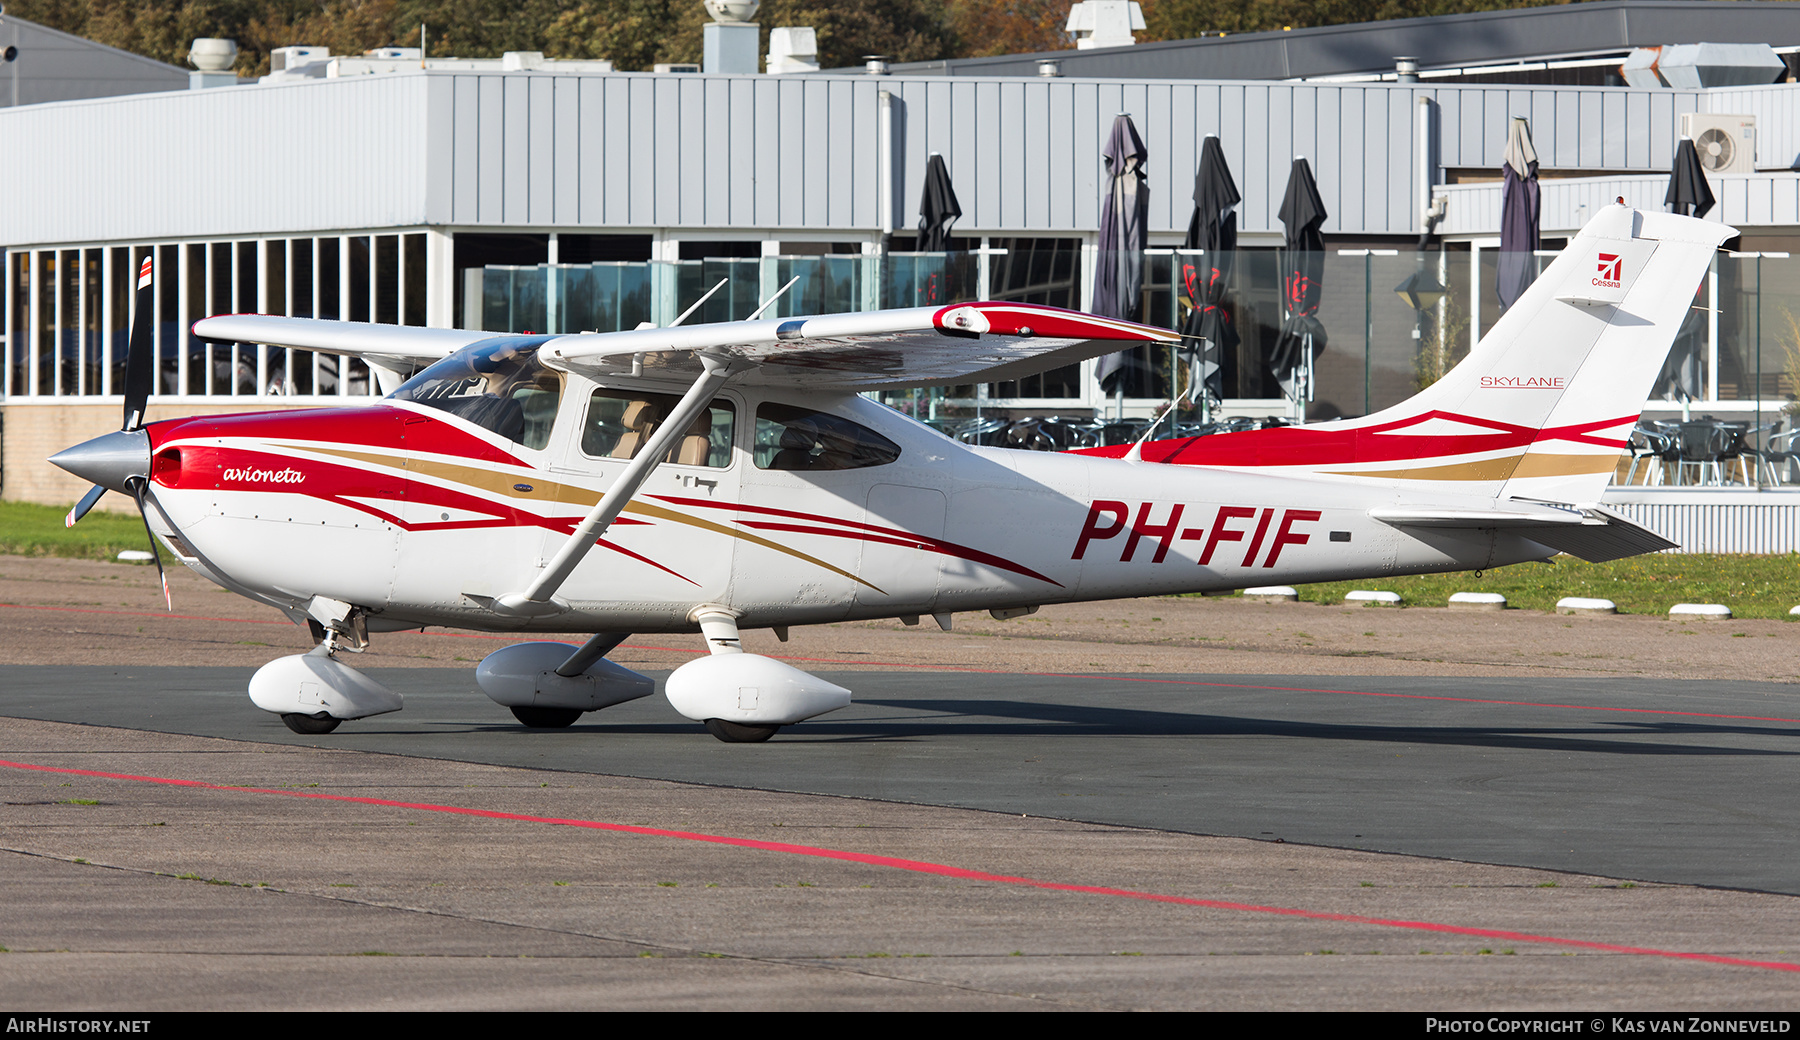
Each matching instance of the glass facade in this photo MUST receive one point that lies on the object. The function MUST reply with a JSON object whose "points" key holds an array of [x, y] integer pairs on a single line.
{"points": [[68, 312], [67, 316]]}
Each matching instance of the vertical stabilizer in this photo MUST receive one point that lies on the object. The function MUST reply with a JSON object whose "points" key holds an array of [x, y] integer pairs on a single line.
{"points": [[1543, 405]]}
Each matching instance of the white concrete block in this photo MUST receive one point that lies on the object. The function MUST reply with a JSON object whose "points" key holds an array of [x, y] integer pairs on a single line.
{"points": [[1478, 601], [1700, 612], [1584, 605]]}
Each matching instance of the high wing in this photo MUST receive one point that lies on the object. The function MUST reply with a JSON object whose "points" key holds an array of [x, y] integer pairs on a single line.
{"points": [[920, 346], [399, 346]]}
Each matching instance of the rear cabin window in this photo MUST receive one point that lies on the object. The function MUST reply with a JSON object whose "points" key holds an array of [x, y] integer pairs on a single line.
{"points": [[801, 439], [620, 423]]}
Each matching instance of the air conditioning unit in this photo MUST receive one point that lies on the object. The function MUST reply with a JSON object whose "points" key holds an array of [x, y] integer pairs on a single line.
{"points": [[1727, 144]]}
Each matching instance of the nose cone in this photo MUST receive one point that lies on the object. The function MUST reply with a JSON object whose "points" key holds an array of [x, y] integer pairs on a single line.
{"points": [[109, 460]]}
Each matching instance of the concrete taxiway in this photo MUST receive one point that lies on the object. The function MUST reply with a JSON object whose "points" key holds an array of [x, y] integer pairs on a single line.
{"points": [[955, 839]]}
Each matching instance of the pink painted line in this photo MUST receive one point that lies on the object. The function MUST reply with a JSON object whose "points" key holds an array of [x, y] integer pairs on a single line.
{"points": [[939, 869], [1046, 675]]}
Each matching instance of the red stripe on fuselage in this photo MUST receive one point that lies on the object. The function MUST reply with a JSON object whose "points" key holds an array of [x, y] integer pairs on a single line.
{"points": [[373, 426], [204, 466], [862, 532], [1313, 446]]}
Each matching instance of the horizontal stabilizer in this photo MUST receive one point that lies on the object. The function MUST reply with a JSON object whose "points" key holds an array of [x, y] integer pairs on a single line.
{"points": [[1590, 533]]}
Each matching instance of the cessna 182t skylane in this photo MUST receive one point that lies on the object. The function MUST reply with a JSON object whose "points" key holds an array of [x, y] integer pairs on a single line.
{"points": [[728, 476]]}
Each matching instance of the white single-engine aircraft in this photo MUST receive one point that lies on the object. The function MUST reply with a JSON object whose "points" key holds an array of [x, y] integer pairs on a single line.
{"points": [[729, 476]]}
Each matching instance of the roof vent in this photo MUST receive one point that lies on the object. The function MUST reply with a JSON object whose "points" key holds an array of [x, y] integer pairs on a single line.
{"points": [[299, 62], [794, 48], [727, 12], [1690, 66], [1104, 23], [214, 58]]}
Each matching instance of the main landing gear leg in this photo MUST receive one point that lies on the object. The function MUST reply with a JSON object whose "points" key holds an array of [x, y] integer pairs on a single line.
{"points": [[745, 698]]}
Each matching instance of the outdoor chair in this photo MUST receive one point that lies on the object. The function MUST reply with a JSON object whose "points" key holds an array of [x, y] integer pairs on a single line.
{"points": [[1652, 445]]}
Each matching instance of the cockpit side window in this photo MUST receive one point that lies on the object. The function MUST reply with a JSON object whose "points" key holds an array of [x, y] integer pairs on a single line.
{"points": [[801, 439], [619, 423], [500, 387]]}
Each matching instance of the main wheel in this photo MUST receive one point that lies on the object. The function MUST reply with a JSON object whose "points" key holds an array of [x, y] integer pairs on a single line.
{"points": [[311, 725], [739, 732], [546, 718]]}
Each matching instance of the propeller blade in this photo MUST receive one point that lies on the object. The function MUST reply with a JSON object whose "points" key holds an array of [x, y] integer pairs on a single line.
{"points": [[81, 508], [140, 351], [140, 489]]}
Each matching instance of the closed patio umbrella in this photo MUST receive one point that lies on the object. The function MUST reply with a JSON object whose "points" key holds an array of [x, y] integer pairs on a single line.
{"points": [[1208, 334], [1520, 208], [1119, 272], [938, 208], [1302, 268], [1688, 194]]}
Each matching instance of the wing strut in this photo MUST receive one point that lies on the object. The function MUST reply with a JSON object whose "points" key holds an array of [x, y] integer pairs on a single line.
{"points": [[538, 600]]}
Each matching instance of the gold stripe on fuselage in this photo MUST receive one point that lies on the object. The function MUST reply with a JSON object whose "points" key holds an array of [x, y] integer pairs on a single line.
{"points": [[1504, 468], [506, 486]]}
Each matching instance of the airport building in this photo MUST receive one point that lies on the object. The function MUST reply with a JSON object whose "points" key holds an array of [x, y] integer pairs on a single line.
{"points": [[525, 194]]}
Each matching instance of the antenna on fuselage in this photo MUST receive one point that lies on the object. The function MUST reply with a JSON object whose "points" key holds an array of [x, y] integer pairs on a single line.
{"points": [[757, 313], [1136, 454], [684, 314]]}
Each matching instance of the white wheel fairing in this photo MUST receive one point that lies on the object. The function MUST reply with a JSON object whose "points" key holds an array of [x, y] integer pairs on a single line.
{"points": [[524, 676], [306, 684], [750, 688]]}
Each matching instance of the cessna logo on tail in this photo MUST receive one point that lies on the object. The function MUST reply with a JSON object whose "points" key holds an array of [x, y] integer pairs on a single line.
{"points": [[1609, 266]]}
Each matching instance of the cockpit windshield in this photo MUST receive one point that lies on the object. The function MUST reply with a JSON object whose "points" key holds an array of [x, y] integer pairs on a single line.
{"points": [[498, 386]]}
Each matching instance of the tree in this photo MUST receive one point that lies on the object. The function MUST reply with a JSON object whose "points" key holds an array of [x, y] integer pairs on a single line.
{"points": [[990, 27], [904, 30], [1186, 19]]}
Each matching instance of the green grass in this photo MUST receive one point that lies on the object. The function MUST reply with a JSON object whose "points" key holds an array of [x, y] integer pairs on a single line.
{"points": [[31, 530], [1752, 586]]}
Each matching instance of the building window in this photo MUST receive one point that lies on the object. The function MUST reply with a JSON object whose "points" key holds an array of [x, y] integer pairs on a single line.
{"points": [[1046, 271]]}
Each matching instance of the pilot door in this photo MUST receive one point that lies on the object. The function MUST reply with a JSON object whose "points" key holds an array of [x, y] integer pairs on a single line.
{"points": [[672, 546]]}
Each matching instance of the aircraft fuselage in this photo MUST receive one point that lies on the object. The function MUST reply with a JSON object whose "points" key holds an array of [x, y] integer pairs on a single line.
{"points": [[423, 518]]}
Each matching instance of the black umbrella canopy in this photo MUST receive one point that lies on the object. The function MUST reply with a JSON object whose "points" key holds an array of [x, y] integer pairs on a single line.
{"points": [[938, 208], [1212, 228], [1118, 285], [1119, 268], [1303, 268], [1689, 194], [1680, 376], [1520, 208]]}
